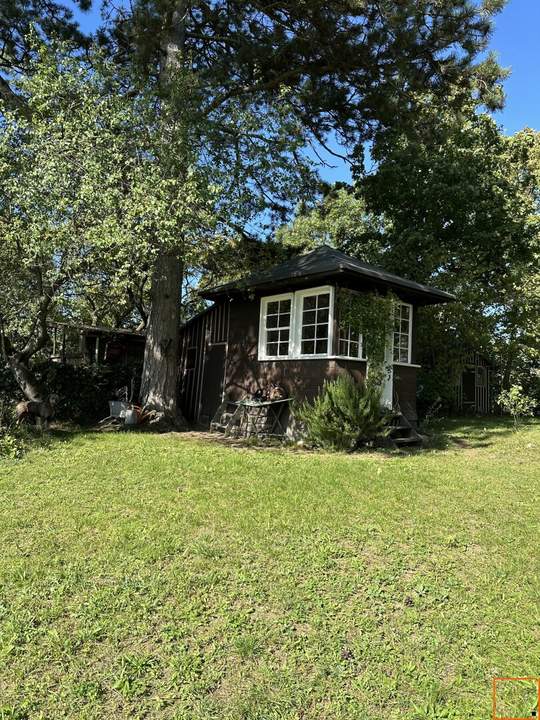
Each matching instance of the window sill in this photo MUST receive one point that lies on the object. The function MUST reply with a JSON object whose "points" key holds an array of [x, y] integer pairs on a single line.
{"points": [[289, 358], [311, 357]]}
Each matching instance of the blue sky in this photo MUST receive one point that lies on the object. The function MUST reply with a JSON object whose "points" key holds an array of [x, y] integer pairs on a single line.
{"points": [[516, 40]]}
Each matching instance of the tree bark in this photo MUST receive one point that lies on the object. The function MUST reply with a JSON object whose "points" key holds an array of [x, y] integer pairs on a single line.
{"points": [[26, 379], [160, 369]]}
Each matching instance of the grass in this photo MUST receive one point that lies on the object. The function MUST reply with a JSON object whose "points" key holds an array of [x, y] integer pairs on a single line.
{"points": [[146, 576]]}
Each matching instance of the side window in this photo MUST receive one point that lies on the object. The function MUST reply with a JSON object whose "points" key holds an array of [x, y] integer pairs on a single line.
{"points": [[276, 326], [315, 324], [402, 333], [350, 342]]}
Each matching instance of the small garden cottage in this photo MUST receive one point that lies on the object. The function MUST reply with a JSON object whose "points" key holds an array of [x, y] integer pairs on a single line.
{"points": [[289, 326]]}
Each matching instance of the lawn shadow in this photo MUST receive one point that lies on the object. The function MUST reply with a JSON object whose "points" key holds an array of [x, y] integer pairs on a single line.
{"points": [[467, 432]]}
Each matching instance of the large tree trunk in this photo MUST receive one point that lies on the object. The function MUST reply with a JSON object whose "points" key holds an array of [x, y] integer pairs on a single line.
{"points": [[160, 370], [26, 380]]}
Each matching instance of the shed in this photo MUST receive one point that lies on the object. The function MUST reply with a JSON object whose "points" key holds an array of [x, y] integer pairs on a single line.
{"points": [[281, 327]]}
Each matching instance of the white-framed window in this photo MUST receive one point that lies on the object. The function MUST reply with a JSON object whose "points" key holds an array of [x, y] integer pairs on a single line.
{"points": [[402, 333], [275, 336], [350, 342], [314, 317], [299, 324]]}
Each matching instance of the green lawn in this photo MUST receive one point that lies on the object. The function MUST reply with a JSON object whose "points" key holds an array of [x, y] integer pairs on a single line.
{"points": [[146, 576]]}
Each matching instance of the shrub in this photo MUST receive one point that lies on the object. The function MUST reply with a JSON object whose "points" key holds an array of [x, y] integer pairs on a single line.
{"points": [[82, 391], [12, 445], [345, 415], [515, 402]]}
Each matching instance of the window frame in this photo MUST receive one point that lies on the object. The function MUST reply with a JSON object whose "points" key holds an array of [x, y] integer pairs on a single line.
{"points": [[361, 357], [295, 329], [299, 296], [409, 338], [263, 329]]}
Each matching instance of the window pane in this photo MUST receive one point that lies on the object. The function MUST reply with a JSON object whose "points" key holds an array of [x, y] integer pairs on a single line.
{"points": [[396, 354], [272, 308], [321, 346], [271, 349], [405, 312], [283, 349], [322, 315], [284, 335], [403, 356], [284, 320], [308, 333], [354, 349], [310, 302], [322, 332], [343, 349], [323, 300], [308, 347], [308, 317], [404, 326], [272, 321], [285, 306]]}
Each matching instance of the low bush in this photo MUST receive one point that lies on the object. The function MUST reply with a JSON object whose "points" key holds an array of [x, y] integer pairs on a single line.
{"points": [[12, 445], [517, 404], [344, 416], [82, 392]]}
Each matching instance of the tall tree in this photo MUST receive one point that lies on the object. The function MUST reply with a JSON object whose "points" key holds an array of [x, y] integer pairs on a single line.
{"points": [[19, 21], [82, 190], [459, 201], [342, 65], [90, 194], [340, 219]]}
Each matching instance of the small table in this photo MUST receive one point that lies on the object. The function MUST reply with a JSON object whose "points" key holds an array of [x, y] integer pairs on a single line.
{"points": [[261, 418]]}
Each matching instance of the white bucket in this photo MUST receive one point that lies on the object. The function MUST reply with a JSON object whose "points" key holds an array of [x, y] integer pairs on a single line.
{"points": [[132, 417], [118, 408]]}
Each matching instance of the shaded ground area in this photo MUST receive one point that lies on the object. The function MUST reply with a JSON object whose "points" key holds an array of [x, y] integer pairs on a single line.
{"points": [[165, 576]]}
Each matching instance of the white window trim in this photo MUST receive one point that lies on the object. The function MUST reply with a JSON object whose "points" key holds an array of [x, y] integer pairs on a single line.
{"points": [[265, 301], [362, 357], [295, 334], [298, 301], [409, 345]]}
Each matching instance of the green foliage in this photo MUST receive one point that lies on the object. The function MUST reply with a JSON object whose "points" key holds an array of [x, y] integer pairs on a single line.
{"points": [[345, 415], [517, 404], [339, 219], [460, 206], [346, 65], [371, 315], [83, 391], [12, 445]]}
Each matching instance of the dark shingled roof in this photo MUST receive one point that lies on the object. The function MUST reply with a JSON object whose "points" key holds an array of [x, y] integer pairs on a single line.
{"points": [[325, 264]]}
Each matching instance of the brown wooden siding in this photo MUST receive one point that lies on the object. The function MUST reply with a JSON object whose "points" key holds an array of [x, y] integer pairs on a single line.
{"points": [[203, 348], [302, 378]]}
